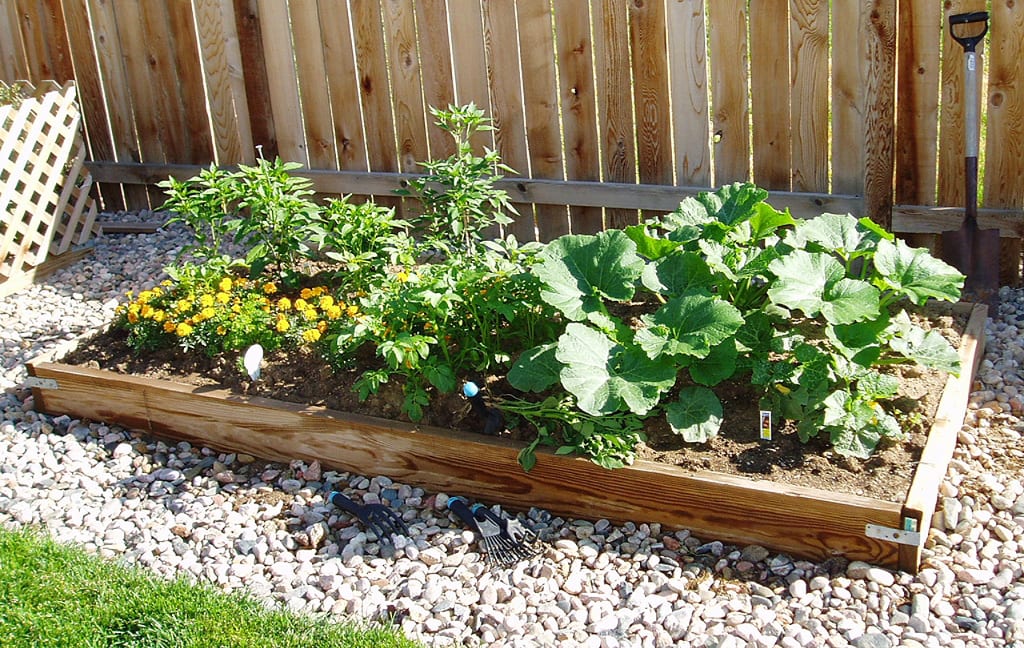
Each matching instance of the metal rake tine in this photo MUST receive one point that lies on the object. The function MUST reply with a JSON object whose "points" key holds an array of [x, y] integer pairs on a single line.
{"points": [[385, 521]]}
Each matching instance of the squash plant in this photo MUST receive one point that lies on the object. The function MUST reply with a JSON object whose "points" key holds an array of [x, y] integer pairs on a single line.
{"points": [[727, 287]]}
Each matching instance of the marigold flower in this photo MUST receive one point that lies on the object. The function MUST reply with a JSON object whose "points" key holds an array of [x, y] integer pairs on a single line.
{"points": [[223, 298], [133, 317], [146, 311], [311, 335], [145, 296], [284, 304], [326, 302], [209, 312], [402, 276], [309, 313], [318, 290], [306, 293], [225, 284], [206, 299], [269, 288], [334, 312], [300, 304], [183, 305], [321, 326], [352, 310], [183, 329], [222, 330], [282, 325], [170, 327], [159, 316]]}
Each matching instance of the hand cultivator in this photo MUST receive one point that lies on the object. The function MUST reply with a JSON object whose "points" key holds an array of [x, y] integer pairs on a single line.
{"points": [[504, 541]]}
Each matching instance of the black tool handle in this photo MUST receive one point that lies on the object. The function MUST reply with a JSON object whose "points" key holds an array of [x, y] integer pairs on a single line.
{"points": [[343, 502], [968, 42], [458, 506]]}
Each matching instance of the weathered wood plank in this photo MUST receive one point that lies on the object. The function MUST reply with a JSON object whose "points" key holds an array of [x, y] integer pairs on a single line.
{"points": [[254, 77], [917, 125], [187, 70], [371, 63], [406, 84], [343, 85], [311, 70], [540, 102], [769, 95], [801, 521], [687, 63], [949, 418], [469, 59], [579, 107], [809, 78], [615, 107], [438, 77], [224, 86], [281, 80], [648, 38], [729, 91], [848, 98], [13, 65]]}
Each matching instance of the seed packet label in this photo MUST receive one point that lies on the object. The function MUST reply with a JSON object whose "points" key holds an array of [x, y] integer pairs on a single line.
{"points": [[766, 425]]}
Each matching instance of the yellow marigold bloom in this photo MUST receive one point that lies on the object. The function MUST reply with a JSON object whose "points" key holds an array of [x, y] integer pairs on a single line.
{"points": [[146, 311], [334, 312], [318, 290], [225, 284], [209, 312], [145, 296], [321, 326], [284, 304], [159, 316], [167, 282], [402, 276], [206, 299], [222, 297], [133, 317], [300, 304], [282, 325], [311, 335], [306, 293], [352, 310], [157, 291], [221, 330], [183, 305], [236, 308], [326, 302], [269, 288], [170, 327], [309, 313], [183, 330]]}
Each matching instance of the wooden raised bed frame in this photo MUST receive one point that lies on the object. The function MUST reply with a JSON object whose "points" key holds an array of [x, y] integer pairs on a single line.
{"points": [[804, 522]]}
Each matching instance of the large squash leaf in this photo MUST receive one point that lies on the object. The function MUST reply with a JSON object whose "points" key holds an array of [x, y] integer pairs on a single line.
{"points": [[914, 272], [606, 377], [579, 270], [696, 415], [536, 369], [816, 283], [689, 325]]}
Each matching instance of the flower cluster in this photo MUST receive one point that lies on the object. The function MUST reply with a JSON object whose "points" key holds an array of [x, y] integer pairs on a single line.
{"points": [[229, 313]]}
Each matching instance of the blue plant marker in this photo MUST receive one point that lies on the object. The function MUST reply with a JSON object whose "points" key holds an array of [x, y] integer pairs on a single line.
{"points": [[492, 418], [470, 389]]}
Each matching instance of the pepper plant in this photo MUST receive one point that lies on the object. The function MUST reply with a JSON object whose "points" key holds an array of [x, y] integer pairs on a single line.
{"points": [[726, 286]]}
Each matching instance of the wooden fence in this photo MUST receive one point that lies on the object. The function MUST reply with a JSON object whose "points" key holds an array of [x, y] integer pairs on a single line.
{"points": [[843, 106]]}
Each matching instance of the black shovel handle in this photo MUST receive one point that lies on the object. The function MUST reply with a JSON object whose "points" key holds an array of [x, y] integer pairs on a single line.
{"points": [[968, 42]]}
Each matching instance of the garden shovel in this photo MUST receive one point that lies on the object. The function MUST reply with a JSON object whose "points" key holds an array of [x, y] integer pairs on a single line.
{"points": [[973, 251]]}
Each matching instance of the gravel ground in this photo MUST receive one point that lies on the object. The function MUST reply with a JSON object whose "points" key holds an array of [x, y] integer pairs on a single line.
{"points": [[242, 524]]}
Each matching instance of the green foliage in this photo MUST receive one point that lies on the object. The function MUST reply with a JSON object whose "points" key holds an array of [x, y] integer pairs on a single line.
{"points": [[457, 193], [11, 94], [728, 285], [52, 595]]}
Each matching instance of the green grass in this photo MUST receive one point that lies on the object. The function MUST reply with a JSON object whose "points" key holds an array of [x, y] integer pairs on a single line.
{"points": [[53, 595]]}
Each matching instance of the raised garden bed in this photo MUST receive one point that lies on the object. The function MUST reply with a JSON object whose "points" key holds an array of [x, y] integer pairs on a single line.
{"points": [[805, 522]]}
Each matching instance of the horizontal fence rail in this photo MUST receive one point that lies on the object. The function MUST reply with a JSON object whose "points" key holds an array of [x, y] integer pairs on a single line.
{"points": [[857, 99]]}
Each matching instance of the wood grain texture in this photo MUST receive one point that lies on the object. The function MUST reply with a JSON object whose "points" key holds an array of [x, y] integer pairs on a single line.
{"points": [[406, 84], [541, 107], [687, 46], [54, 30], [466, 23], [343, 85], [311, 69], [809, 85], [168, 81], [917, 111], [252, 65], [770, 94], [648, 33], [729, 91], [187, 69], [849, 100], [13, 65], [501, 42], [615, 107], [228, 110], [878, 18], [282, 81], [139, 64], [435, 47], [371, 65], [805, 522], [949, 418], [575, 51]]}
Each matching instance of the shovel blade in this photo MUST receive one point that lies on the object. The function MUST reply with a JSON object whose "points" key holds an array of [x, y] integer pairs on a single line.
{"points": [[975, 253]]}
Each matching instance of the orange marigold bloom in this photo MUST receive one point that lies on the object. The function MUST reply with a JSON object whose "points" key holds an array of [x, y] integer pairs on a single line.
{"points": [[270, 288], [306, 293], [321, 326], [133, 317], [170, 327]]}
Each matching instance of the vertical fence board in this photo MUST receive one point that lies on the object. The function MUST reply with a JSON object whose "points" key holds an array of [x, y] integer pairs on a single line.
{"points": [[312, 78], [918, 105], [226, 108], [770, 94], [168, 81], [438, 78], [466, 22], [282, 81], [56, 30], [13, 65], [1004, 150], [254, 87], [501, 40], [406, 84], [647, 37], [848, 100], [540, 94], [188, 69], [809, 113], [878, 28], [687, 69], [579, 106], [343, 85], [117, 94], [36, 39], [615, 108], [140, 82], [731, 119]]}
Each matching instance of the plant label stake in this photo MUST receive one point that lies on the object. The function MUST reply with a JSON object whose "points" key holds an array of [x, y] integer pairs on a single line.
{"points": [[766, 425], [251, 361], [492, 418]]}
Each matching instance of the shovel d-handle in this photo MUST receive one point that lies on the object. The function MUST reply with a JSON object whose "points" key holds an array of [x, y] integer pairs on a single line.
{"points": [[970, 40]]}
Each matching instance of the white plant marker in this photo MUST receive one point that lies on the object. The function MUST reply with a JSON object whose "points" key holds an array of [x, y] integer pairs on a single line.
{"points": [[251, 361]]}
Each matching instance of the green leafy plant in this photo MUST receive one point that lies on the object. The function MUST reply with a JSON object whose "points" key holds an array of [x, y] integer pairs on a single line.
{"points": [[458, 196], [727, 285]]}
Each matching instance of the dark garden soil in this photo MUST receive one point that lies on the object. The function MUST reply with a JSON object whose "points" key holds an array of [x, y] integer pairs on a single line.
{"points": [[302, 377]]}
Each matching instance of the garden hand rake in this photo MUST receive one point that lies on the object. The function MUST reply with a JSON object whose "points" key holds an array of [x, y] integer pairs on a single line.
{"points": [[524, 540], [379, 519], [500, 548]]}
